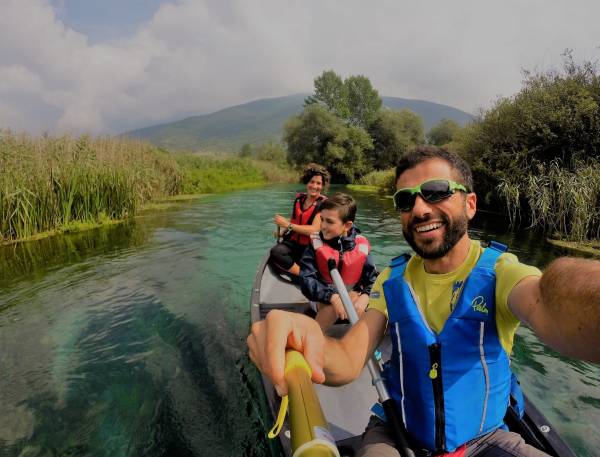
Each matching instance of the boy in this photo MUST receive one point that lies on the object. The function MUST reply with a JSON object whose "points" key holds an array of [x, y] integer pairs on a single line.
{"points": [[340, 240]]}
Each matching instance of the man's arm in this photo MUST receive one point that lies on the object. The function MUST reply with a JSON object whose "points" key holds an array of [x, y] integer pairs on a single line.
{"points": [[334, 362], [563, 306]]}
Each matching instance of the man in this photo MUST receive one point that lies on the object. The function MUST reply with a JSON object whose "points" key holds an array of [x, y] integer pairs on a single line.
{"points": [[453, 309]]}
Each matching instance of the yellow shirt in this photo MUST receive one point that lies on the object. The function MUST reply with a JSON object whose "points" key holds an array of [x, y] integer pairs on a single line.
{"points": [[438, 293]]}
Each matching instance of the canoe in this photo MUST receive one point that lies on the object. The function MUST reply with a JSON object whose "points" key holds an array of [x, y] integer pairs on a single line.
{"points": [[347, 408]]}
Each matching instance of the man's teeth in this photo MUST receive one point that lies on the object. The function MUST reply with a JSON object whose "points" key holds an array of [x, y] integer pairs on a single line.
{"points": [[428, 227]]}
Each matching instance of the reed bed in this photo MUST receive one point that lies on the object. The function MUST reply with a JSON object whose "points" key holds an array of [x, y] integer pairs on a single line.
{"points": [[562, 202], [48, 183]]}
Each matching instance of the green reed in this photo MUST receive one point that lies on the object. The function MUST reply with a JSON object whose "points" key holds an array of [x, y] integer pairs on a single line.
{"points": [[48, 183], [562, 202]]}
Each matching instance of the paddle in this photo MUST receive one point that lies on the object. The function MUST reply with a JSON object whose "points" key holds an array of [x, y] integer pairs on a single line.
{"points": [[394, 420], [310, 434]]}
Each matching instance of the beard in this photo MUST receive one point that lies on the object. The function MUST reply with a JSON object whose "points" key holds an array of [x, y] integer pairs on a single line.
{"points": [[432, 249]]}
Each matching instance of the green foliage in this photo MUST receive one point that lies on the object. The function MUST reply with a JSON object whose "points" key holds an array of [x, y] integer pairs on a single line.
{"points": [[343, 127], [271, 152], [245, 151], [549, 130], [443, 132], [563, 202], [353, 100], [210, 174], [364, 102], [317, 135], [331, 91], [385, 180], [60, 183], [394, 133], [53, 182]]}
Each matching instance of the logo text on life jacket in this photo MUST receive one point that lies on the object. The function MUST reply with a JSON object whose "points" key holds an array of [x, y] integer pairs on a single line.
{"points": [[479, 304]]}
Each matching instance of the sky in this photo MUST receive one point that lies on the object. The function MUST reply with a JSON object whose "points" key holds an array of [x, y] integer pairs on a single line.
{"points": [[108, 66]]}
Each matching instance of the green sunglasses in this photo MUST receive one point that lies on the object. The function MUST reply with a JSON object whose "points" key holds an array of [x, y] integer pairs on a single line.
{"points": [[432, 191]]}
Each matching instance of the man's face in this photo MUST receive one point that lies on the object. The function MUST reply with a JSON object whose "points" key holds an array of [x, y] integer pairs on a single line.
{"points": [[331, 224], [433, 229]]}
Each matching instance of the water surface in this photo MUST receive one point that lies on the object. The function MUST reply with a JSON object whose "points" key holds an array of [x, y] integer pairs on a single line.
{"points": [[130, 340]]}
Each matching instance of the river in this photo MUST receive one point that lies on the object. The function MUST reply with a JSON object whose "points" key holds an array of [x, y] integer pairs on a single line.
{"points": [[129, 340]]}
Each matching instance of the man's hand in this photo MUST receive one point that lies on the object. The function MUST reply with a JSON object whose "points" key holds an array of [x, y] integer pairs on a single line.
{"points": [[338, 306], [280, 330]]}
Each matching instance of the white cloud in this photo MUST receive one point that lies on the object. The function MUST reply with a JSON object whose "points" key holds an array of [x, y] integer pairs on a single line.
{"points": [[195, 57]]}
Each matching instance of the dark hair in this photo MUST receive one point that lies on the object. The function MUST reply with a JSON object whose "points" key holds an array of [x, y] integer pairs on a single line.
{"points": [[314, 169], [422, 153], [344, 204]]}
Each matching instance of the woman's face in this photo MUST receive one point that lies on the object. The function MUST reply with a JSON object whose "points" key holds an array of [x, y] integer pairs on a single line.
{"points": [[314, 186]]}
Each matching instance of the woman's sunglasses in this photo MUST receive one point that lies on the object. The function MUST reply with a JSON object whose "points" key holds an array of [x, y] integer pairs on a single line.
{"points": [[431, 191]]}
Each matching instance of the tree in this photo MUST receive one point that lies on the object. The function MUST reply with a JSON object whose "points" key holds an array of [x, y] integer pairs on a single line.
{"points": [[271, 152], [393, 134], [353, 100], [530, 150], [443, 132], [245, 151], [331, 91], [317, 135], [364, 102]]}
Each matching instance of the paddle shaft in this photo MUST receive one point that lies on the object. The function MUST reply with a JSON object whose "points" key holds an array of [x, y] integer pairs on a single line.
{"points": [[394, 420]]}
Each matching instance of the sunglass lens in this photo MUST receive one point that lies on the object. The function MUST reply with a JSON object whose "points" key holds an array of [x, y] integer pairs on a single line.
{"points": [[434, 191], [404, 201]]}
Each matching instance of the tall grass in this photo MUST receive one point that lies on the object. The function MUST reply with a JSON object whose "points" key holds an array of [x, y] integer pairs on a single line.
{"points": [[562, 202], [48, 182], [218, 173]]}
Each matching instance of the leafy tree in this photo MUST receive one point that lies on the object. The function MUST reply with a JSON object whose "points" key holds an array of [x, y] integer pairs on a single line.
{"points": [[271, 152], [393, 134], [317, 135], [364, 102], [443, 132], [245, 150], [353, 100], [553, 121], [331, 91]]}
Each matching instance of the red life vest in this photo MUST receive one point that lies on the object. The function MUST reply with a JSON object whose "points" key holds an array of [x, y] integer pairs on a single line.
{"points": [[300, 217], [352, 261]]}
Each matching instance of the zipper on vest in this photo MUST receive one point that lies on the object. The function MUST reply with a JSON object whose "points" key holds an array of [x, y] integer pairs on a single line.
{"points": [[435, 374]]}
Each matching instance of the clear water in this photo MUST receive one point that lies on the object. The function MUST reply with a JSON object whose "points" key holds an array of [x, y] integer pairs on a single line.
{"points": [[130, 340]]}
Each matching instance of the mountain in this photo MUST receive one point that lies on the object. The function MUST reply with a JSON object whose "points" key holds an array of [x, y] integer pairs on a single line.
{"points": [[262, 120]]}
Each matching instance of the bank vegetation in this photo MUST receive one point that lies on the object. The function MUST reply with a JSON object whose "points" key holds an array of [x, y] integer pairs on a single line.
{"points": [[57, 183], [535, 155]]}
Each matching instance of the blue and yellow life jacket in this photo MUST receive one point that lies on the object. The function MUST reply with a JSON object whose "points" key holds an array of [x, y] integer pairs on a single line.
{"points": [[453, 386]]}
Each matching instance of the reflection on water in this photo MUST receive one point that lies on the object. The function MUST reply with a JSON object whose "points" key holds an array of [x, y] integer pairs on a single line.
{"points": [[130, 340]]}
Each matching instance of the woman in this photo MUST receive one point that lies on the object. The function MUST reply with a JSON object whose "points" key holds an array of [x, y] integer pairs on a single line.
{"points": [[304, 221]]}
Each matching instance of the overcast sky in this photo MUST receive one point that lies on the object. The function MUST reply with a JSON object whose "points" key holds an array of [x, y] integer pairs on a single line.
{"points": [[108, 66]]}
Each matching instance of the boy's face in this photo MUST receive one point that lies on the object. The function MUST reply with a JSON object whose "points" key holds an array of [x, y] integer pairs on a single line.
{"points": [[331, 224]]}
